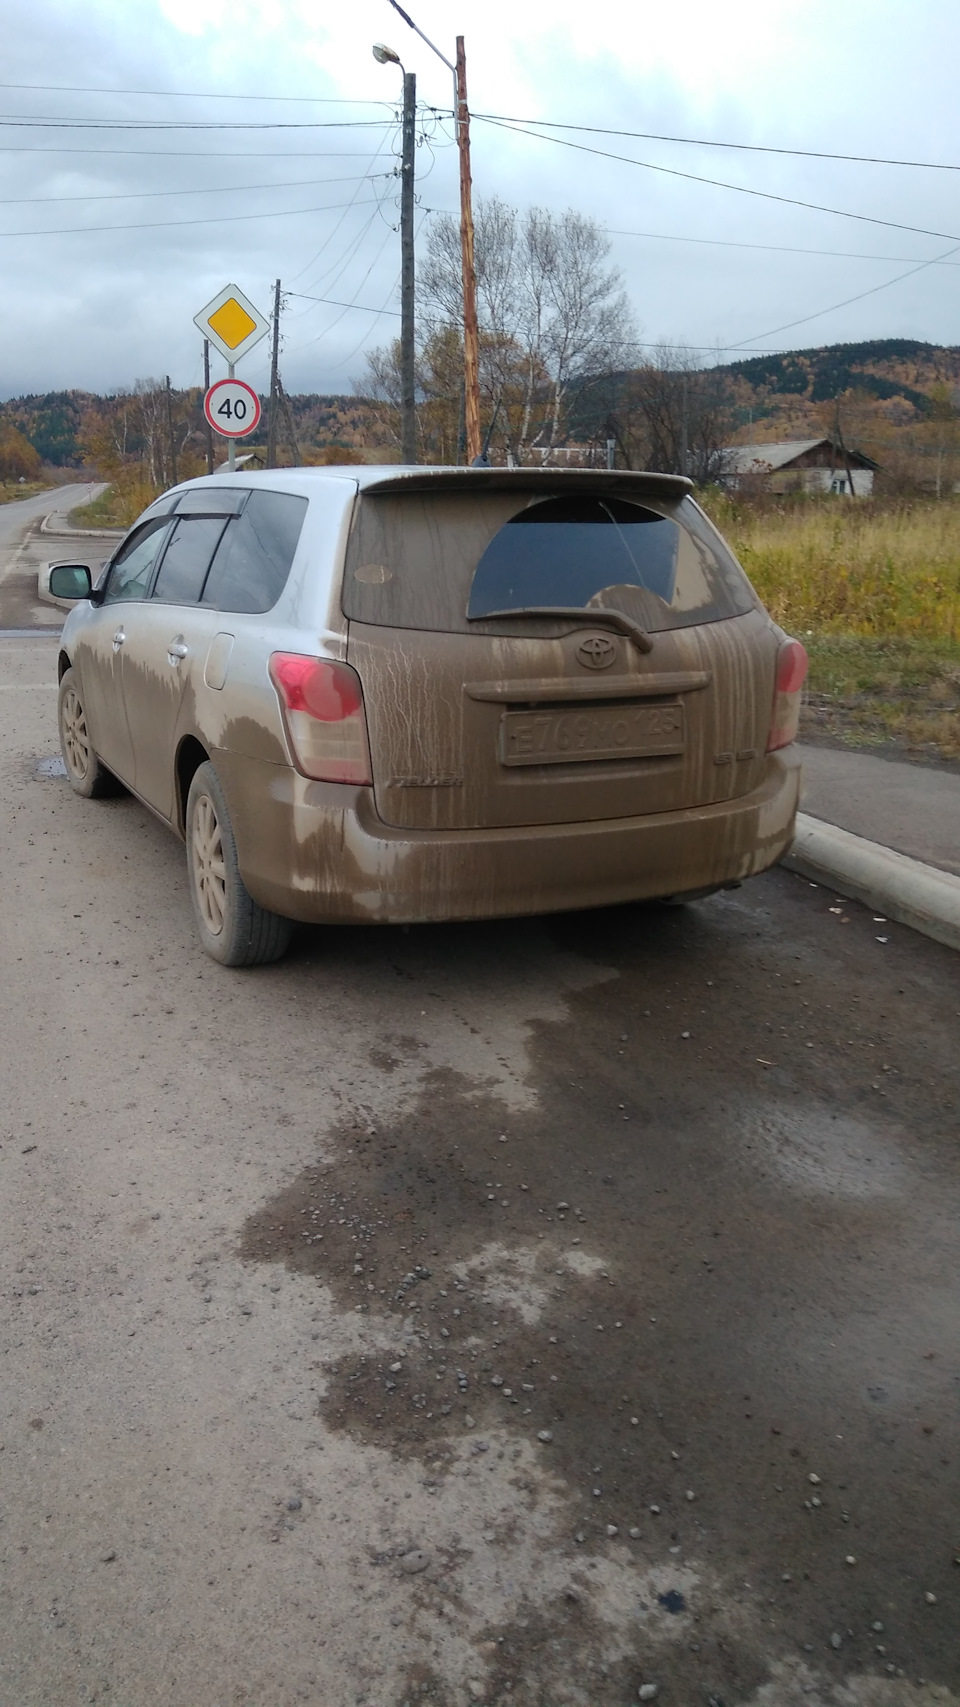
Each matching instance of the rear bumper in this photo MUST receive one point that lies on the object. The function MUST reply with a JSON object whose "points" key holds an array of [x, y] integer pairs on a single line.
{"points": [[317, 851]]}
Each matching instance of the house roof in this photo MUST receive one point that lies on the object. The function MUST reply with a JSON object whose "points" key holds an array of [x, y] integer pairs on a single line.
{"points": [[781, 453], [761, 459]]}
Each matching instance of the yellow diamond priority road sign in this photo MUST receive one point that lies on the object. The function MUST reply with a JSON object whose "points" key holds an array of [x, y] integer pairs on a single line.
{"points": [[232, 323]]}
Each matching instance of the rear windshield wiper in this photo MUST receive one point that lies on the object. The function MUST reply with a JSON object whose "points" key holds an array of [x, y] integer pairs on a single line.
{"points": [[603, 617]]}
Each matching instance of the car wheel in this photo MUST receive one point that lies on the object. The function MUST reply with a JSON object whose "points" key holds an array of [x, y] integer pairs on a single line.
{"points": [[86, 775], [233, 927]]}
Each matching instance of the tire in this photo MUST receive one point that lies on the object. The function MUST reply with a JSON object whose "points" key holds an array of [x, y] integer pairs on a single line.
{"points": [[85, 774], [234, 929]]}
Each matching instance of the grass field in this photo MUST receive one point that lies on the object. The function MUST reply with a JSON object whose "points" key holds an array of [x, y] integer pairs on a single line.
{"points": [[12, 494], [873, 591], [118, 506]]}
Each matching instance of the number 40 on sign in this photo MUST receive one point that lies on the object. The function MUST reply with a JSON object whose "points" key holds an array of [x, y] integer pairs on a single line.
{"points": [[232, 408]]}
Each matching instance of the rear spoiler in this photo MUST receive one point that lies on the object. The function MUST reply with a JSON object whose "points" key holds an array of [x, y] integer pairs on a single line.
{"points": [[612, 483]]}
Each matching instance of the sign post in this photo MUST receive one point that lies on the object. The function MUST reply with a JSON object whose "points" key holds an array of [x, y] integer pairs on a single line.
{"points": [[234, 326]]}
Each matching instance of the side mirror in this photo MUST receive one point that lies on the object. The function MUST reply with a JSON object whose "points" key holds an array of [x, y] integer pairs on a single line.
{"points": [[69, 581]]}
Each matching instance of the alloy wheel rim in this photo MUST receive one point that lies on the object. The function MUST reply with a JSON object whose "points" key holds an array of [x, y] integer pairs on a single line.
{"points": [[209, 870], [76, 741]]}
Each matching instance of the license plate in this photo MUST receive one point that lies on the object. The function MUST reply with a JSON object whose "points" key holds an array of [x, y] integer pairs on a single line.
{"points": [[594, 732]]}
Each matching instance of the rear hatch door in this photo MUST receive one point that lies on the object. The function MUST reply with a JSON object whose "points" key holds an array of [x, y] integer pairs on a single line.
{"points": [[540, 650]]}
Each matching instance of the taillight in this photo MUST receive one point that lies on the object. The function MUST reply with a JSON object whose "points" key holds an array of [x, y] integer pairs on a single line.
{"points": [[792, 665], [323, 709]]}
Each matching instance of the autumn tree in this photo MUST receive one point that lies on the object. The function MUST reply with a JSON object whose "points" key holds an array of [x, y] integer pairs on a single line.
{"points": [[669, 414], [551, 312], [18, 458]]}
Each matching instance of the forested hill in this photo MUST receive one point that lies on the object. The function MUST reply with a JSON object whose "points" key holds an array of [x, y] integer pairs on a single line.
{"points": [[883, 368]]}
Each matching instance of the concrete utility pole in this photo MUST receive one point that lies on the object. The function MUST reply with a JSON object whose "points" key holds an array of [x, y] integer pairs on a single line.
{"points": [[273, 422], [471, 336], [206, 388], [408, 369]]}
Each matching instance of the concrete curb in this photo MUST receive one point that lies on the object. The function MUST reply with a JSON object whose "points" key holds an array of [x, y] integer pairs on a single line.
{"points": [[77, 533], [901, 888]]}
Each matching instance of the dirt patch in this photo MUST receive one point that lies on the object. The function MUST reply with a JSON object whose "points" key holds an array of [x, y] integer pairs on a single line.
{"points": [[691, 1304]]}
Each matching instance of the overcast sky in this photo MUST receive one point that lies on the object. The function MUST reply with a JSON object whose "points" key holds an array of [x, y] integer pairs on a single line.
{"points": [[298, 185]]}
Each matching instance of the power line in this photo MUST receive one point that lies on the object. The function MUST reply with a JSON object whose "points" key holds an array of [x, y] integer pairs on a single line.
{"points": [[166, 224], [331, 235], [331, 301], [210, 190], [743, 344], [705, 142], [192, 154], [350, 355], [195, 94], [43, 122], [790, 324], [510, 118], [721, 184], [770, 248], [348, 305]]}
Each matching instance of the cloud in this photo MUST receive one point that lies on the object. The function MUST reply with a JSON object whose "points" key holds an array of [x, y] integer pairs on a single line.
{"points": [[308, 196]]}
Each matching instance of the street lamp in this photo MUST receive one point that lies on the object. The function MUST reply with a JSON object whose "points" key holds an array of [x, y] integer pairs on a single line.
{"points": [[471, 336], [408, 378]]}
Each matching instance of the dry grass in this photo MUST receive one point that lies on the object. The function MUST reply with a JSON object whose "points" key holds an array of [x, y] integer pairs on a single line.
{"points": [[29, 489], [873, 590], [887, 692], [117, 507], [852, 568]]}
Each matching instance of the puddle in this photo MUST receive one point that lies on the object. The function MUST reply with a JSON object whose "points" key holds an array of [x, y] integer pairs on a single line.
{"points": [[50, 767]]}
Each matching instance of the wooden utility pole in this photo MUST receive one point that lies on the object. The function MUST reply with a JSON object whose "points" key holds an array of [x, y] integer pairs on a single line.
{"points": [[845, 452], [408, 360], [471, 336], [273, 421], [171, 439], [291, 430], [206, 388]]}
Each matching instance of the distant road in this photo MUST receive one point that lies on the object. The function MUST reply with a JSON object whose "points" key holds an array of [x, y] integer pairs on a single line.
{"points": [[23, 548]]}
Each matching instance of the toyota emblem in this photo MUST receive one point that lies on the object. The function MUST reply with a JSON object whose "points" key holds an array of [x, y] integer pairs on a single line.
{"points": [[597, 652]]}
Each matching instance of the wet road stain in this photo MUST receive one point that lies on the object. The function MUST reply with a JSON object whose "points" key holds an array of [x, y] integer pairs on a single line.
{"points": [[732, 1366]]}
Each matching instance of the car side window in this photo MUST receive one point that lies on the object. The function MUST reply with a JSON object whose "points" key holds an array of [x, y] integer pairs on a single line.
{"points": [[129, 574], [186, 560], [250, 569]]}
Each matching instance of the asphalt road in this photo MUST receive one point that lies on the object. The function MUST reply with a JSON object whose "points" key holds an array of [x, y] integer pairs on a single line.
{"points": [[24, 548], [513, 1313]]}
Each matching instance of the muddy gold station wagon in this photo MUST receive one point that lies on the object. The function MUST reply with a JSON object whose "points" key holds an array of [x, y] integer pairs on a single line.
{"points": [[392, 694]]}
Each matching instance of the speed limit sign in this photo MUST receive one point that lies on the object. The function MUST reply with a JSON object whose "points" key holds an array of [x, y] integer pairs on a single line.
{"points": [[232, 408]]}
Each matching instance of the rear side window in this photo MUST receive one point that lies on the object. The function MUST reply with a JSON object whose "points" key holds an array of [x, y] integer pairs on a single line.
{"points": [[250, 569], [187, 559], [446, 561]]}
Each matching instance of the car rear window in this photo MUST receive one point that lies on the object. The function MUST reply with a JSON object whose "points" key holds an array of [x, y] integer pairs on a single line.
{"points": [[450, 560]]}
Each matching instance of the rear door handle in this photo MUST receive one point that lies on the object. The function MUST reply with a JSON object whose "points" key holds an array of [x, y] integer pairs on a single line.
{"points": [[119, 639], [176, 650]]}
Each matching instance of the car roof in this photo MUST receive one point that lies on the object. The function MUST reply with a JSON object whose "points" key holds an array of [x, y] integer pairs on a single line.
{"points": [[394, 478]]}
